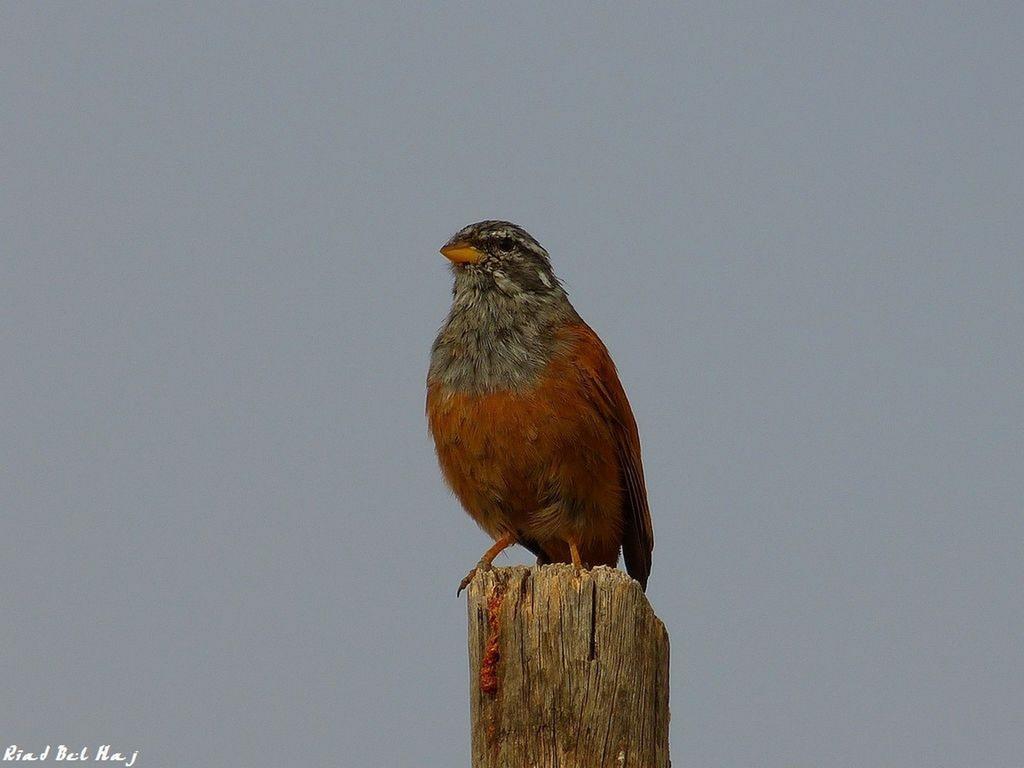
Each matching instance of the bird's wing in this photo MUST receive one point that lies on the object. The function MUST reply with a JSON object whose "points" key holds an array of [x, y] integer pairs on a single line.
{"points": [[601, 382]]}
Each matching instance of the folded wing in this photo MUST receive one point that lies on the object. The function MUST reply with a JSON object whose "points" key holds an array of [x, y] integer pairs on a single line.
{"points": [[601, 382]]}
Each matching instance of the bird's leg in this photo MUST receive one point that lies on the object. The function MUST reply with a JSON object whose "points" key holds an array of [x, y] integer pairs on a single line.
{"points": [[574, 550], [500, 546]]}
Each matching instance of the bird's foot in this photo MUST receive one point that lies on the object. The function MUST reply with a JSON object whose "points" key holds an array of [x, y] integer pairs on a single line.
{"points": [[483, 565]]}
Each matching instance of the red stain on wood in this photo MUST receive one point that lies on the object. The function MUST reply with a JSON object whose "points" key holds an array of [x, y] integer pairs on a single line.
{"points": [[492, 654]]}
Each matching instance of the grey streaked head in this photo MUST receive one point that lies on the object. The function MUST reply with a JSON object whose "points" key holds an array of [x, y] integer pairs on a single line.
{"points": [[503, 254]]}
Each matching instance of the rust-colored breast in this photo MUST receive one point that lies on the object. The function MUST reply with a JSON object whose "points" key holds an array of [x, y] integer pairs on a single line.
{"points": [[541, 462]]}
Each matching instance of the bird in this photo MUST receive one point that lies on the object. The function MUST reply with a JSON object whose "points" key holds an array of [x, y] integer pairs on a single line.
{"points": [[530, 422]]}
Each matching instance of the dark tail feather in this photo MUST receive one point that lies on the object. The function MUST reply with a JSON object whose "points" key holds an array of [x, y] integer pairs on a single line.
{"points": [[637, 555], [534, 547]]}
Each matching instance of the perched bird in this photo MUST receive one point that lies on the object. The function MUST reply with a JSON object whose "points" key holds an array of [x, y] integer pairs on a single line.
{"points": [[533, 430]]}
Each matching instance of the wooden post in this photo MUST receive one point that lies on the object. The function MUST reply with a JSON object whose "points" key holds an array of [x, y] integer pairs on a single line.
{"points": [[567, 670]]}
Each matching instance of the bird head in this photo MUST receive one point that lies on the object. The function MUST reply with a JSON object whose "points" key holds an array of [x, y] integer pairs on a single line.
{"points": [[504, 254]]}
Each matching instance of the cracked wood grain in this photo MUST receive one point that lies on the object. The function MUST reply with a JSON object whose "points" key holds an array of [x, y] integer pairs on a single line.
{"points": [[567, 670]]}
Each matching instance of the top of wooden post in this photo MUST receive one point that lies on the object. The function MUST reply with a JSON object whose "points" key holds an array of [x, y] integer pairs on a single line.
{"points": [[567, 669]]}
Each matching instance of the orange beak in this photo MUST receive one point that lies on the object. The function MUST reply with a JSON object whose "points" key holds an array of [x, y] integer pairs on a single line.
{"points": [[461, 253]]}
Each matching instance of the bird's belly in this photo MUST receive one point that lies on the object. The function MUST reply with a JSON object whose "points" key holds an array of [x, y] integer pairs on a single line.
{"points": [[535, 463]]}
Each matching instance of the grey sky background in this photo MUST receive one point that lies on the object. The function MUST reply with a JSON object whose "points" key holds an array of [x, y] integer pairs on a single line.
{"points": [[798, 228]]}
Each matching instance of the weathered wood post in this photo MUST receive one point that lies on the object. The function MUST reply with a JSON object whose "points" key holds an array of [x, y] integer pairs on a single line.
{"points": [[567, 670]]}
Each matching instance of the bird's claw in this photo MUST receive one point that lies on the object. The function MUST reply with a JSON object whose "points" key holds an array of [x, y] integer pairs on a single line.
{"points": [[481, 566]]}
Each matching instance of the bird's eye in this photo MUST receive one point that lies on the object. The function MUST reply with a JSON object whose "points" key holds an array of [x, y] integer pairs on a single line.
{"points": [[505, 244]]}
